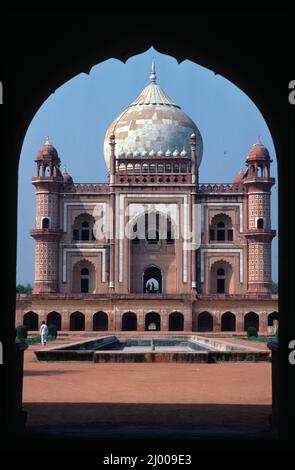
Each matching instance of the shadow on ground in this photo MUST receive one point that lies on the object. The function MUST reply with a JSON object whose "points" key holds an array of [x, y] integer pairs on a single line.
{"points": [[51, 416]]}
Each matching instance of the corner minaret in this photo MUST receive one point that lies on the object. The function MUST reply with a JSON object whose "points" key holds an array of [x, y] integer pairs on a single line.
{"points": [[47, 232], [259, 234]]}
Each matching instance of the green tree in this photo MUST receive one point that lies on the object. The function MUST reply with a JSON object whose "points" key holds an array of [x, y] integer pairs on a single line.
{"points": [[24, 289], [274, 287]]}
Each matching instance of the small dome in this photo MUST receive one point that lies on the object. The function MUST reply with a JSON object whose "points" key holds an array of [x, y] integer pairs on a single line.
{"points": [[152, 153], [67, 178], [129, 154], [168, 153], [183, 153], [175, 153], [238, 178], [160, 153], [136, 153], [48, 152], [258, 152]]}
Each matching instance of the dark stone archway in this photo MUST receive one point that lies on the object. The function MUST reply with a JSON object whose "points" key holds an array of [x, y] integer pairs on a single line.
{"points": [[228, 322], [77, 37], [31, 321], [54, 318], [176, 321], [77, 321], [100, 321], [251, 319], [205, 321], [129, 321], [152, 321]]}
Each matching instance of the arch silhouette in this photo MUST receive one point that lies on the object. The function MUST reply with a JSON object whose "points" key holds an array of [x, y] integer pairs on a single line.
{"points": [[251, 319], [176, 321], [100, 321], [228, 322], [205, 321], [31, 321], [77, 321], [129, 321], [152, 321], [54, 318]]}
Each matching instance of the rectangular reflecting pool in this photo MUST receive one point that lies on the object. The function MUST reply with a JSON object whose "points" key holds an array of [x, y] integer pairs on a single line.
{"points": [[152, 348]]}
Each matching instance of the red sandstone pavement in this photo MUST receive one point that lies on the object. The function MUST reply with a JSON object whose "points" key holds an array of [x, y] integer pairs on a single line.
{"points": [[84, 393]]}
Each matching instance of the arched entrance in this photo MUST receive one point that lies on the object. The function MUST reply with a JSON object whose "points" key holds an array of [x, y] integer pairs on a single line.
{"points": [[129, 321], [273, 319], [31, 321], [228, 322], [54, 318], [251, 319], [176, 321], [152, 322], [77, 321], [205, 321], [221, 278], [152, 280], [100, 321]]}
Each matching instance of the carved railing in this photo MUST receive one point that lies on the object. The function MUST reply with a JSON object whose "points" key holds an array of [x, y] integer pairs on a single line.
{"points": [[219, 187], [90, 187]]}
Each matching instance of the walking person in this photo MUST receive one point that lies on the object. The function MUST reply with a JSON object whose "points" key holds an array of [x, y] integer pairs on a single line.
{"points": [[43, 333]]}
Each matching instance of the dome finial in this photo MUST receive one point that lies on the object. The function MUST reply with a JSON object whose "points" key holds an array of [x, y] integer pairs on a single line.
{"points": [[153, 73], [47, 141]]}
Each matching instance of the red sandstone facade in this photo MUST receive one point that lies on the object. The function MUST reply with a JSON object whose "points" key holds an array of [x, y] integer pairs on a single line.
{"points": [[153, 248]]}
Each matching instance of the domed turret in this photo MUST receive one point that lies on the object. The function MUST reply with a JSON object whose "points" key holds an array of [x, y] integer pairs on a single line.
{"points": [[48, 161], [258, 151], [48, 152], [153, 123]]}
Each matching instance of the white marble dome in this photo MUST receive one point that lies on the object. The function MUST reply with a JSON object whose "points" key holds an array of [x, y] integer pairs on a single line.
{"points": [[153, 123]]}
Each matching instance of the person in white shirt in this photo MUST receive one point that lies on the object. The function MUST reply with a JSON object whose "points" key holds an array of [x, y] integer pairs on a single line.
{"points": [[43, 333]]}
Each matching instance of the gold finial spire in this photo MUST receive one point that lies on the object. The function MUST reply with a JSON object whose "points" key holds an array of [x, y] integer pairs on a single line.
{"points": [[153, 72]]}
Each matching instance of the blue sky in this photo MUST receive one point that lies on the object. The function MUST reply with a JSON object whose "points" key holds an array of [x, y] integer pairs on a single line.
{"points": [[78, 114]]}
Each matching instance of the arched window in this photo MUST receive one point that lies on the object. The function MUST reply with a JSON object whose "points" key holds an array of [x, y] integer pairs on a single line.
{"points": [[221, 229], [45, 222], [176, 168], [260, 223], [83, 228]]}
